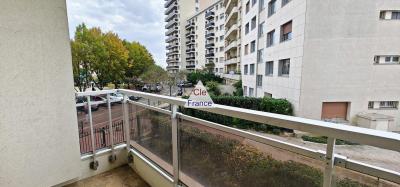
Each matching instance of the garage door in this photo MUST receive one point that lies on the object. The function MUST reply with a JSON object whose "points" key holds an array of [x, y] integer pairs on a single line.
{"points": [[334, 110]]}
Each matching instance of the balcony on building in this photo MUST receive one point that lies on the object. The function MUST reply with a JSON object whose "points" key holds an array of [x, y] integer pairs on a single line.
{"points": [[171, 15], [230, 4], [169, 3], [232, 16], [171, 30], [192, 66], [210, 25], [171, 23], [173, 6], [210, 35], [210, 14], [171, 38], [191, 41], [210, 45], [190, 33], [190, 25]]}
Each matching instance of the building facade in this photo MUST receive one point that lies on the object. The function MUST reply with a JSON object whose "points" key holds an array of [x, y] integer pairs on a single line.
{"points": [[177, 13], [330, 63]]}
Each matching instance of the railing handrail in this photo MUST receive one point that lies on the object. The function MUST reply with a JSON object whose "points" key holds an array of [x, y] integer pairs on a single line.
{"points": [[382, 139]]}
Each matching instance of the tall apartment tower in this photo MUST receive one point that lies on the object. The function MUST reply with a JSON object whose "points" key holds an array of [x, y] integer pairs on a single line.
{"points": [[333, 60], [204, 39], [177, 12], [233, 9]]}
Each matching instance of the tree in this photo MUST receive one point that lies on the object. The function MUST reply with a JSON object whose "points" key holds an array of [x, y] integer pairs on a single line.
{"points": [[139, 60], [154, 74]]}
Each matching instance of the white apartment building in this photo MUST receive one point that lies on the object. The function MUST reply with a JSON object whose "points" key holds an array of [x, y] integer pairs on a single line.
{"points": [[177, 13], [205, 39], [332, 60]]}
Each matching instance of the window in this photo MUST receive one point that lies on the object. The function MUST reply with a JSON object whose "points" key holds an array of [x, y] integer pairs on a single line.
{"points": [[246, 70], [262, 5], [221, 70], [253, 22], [370, 105], [286, 31], [260, 55], [284, 2], [261, 30], [271, 8], [393, 59], [247, 7], [390, 15], [395, 15], [221, 27], [259, 80], [221, 16], [388, 104], [269, 68], [251, 92], [251, 69], [245, 90], [246, 49], [216, 59], [253, 46], [221, 37], [253, 2], [284, 67], [270, 38], [247, 28]]}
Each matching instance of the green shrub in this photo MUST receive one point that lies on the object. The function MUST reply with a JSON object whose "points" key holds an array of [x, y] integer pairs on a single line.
{"points": [[212, 88], [239, 88], [280, 106], [324, 140], [205, 77]]}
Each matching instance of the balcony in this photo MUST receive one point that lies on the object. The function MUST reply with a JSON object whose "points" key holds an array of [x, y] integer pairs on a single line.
{"points": [[232, 32], [231, 46], [171, 15], [171, 31], [189, 25], [210, 15], [210, 45], [171, 38], [171, 23], [210, 25], [233, 60], [162, 134], [190, 58], [173, 6], [210, 35], [168, 3], [232, 17], [210, 55], [230, 4], [190, 42], [172, 67], [191, 50], [190, 66], [190, 34]]}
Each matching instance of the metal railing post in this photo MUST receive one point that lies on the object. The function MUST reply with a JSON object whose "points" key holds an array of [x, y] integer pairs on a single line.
{"points": [[126, 121], [329, 162], [175, 148], [112, 157], [94, 164]]}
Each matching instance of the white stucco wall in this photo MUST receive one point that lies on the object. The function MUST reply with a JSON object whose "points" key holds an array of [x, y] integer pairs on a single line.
{"points": [[342, 38], [38, 124]]}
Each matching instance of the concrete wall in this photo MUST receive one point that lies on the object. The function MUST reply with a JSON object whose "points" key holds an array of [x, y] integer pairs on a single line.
{"points": [[342, 38], [38, 123]]}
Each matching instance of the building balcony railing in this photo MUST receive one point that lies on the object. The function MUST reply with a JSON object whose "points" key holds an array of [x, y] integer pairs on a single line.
{"points": [[210, 55], [190, 58], [190, 50], [172, 45], [168, 3], [232, 60], [190, 34], [190, 66], [210, 45], [190, 42], [210, 15], [183, 148], [232, 32], [173, 6], [171, 38], [230, 46], [210, 35], [190, 25], [171, 31], [210, 25], [173, 14], [172, 67], [171, 23]]}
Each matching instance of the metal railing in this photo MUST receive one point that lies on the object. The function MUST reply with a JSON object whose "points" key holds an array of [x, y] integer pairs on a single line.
{"points": [[171, 164]]}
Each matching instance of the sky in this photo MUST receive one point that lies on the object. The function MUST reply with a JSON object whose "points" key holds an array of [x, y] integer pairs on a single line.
{"points": [[133, 20]]}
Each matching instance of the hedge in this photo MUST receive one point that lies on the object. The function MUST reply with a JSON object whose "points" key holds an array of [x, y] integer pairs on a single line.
{"points": [[205, 77], [278, 106]]}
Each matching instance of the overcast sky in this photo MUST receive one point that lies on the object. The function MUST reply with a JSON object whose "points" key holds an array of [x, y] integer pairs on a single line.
{"points": [[134, 20]]}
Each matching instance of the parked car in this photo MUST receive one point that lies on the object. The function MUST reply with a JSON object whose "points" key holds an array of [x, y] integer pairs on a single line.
{"points": [[116, 98], [134, 98], [82, 102], [184, 84]]}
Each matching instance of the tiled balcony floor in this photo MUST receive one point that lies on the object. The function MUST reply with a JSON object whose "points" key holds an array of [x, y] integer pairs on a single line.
{"points": [[123, 176]]}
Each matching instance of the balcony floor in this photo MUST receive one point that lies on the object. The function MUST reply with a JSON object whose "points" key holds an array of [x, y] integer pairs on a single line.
{"points": [[123, 176]]}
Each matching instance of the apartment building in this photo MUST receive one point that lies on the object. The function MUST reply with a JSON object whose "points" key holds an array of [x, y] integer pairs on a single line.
{"points": [[177, 13], [233, 12], [334, 60], [204, 39]]}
